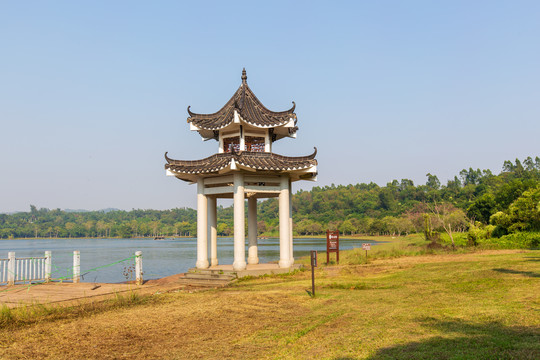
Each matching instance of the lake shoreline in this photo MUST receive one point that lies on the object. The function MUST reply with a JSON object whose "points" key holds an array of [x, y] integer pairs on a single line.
{"points": [[344, 237], [109, 260]]}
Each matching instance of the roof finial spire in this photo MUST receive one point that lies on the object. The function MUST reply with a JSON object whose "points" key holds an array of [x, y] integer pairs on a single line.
{"points": [[244, 76]]}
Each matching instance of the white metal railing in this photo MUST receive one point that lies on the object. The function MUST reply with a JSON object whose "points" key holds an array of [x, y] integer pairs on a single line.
{"points": [[27, 269]]}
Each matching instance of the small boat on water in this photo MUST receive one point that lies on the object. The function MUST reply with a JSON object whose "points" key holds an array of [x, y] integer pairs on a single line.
{"points": [[159, 238]]}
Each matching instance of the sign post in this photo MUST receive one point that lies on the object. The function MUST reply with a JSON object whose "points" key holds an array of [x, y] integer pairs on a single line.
{"points": [[366, 246], [332, 244], [313, 265]]}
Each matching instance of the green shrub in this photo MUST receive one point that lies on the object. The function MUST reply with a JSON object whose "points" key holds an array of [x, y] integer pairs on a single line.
{"points": [[499, 231], [473, 235], [488, 231], [520, 240], [478, 232], [460, 238]]}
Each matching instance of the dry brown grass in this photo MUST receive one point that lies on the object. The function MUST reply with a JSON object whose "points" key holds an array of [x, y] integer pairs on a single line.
{"points": [[477, 305], [180, 325]]}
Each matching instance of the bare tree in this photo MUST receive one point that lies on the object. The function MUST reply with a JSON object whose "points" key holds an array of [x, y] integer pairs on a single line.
{"points": [[449, 217]]}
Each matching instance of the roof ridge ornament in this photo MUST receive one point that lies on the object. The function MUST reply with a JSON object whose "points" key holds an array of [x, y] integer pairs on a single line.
{"points": [[244, 76], [243, 94]]}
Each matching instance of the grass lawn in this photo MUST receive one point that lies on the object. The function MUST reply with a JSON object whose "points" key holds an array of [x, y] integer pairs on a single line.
{"points": [[458, 305]]}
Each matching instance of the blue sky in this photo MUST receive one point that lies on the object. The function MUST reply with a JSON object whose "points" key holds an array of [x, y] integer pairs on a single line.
{"points": [[92, 94]]}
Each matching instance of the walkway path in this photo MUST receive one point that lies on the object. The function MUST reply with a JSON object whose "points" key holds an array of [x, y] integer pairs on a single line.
{"points": [[57, 292]]}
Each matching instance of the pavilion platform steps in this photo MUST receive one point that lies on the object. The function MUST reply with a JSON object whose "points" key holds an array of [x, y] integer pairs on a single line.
{"points": [[226, 271], [210, 276], [206, 280]]}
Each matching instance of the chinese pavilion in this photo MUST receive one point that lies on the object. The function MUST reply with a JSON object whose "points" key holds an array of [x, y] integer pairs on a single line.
{"points": [[244, 167]]}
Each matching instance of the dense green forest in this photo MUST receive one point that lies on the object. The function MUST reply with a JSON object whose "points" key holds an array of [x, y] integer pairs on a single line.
{"points": [[476, 202]]}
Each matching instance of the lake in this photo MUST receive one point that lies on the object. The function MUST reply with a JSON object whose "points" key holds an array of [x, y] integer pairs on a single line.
{"points": [[101, 259]]}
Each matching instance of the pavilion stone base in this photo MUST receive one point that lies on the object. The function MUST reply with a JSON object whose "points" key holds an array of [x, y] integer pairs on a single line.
{"points": [[251, 270]]}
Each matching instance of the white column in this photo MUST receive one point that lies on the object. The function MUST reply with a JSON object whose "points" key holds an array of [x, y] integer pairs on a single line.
{"points": [[11, 268], [48, 266], [220, 144], [284, 234], [242, 139], [267, 142], [253, 256], [76, 266], [202, 230], [291, 223], [212, 229], [239, 224], [138, 268]]}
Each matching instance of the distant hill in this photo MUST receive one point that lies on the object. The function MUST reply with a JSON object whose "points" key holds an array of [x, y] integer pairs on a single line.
{"points": [[107, 210]]}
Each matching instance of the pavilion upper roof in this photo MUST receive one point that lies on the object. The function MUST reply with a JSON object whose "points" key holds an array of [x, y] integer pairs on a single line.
{"points": [[250, 109]]}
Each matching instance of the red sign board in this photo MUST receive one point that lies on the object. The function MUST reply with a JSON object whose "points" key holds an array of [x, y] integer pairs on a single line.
{"points": [[366, 246], [332, 244]]}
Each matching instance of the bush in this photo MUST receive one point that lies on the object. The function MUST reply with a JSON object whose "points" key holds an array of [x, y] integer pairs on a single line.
{"points": [[499, 231], [520, 240], [473, 235], [460, 238], [478, 232]]}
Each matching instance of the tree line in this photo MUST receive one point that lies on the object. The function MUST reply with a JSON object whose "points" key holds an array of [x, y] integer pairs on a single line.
{"points": [[474, 201]]}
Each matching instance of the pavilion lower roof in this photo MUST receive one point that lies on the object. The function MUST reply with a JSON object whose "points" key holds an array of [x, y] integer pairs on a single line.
{"points": [[249, 108], [263, 161]]}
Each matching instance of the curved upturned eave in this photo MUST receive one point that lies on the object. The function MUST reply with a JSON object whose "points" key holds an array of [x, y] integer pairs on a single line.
{"points": [[228, 103], [251, 160], [260, 104]]}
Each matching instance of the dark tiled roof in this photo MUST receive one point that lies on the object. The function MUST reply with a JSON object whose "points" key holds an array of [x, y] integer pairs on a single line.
{"points": [[248, 106], [255, 160]]}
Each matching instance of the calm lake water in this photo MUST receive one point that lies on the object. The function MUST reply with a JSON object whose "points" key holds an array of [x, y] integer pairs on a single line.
{"points": [[101, 259]]}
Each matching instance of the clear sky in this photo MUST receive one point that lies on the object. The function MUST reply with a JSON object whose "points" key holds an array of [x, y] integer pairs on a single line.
{"points": [[93, 93]]}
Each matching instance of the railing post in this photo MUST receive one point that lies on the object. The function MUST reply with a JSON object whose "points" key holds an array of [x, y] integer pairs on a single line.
{"points": [[76, 266], [138, 268], [48, 266], [11, 268]]}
